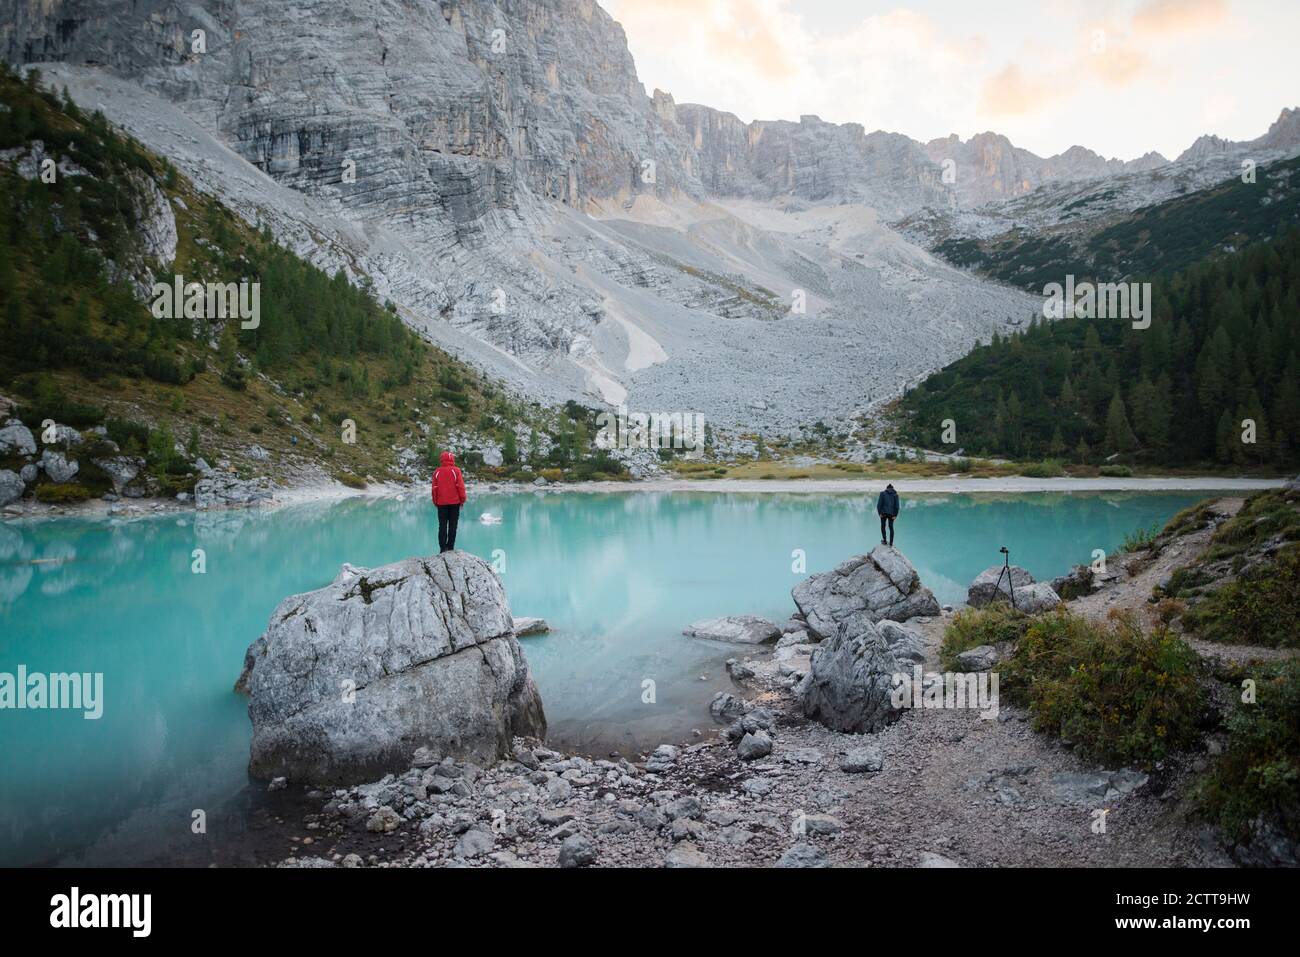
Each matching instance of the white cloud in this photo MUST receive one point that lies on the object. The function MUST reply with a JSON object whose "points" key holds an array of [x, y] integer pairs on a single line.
{"points": [[932, 67]]}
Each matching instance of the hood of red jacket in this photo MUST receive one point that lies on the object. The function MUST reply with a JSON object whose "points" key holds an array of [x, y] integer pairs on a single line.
{"points": [[448, 458]]}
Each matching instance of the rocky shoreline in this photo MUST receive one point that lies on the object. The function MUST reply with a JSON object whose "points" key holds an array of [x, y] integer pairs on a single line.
{"points": [[775, 786]]}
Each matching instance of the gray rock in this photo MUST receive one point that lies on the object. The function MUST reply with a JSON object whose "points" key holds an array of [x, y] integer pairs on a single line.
{"points": [[821, 824], [58, 466], [684, 829], [980, 658], [530, 626], [555, 816], [121, 469], [686, 854], [383, 821], [755, 745], [862, 591], [1036, 598], [803, 855], [12, 487], [29, 473], [577, 851], [849, 686], [736, 836], [985, 587], [930, 859], [348, 680], [652, 818], [739, 670], [67, 436], [904, 641], [740, 629], [223, 490], [684, 807], [17, 439], [792, 639], [861, 760], [727, 707], [1093, 788], [475, 843], [663, 758]]}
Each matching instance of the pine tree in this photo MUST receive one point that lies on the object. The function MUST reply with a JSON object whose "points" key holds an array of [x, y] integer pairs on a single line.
{"points": [[1119, 434]]}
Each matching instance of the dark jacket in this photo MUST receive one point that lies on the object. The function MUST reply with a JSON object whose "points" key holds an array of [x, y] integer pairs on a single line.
{"points": [[887, 504]]}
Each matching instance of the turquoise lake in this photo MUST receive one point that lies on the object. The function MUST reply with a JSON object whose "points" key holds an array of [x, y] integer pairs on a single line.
{"points": [[616, 575]]}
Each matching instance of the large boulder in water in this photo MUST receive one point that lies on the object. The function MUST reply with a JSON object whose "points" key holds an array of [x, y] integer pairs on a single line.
{"points": [[861, 591], [740, 629], [351, 679], [850, 681]]}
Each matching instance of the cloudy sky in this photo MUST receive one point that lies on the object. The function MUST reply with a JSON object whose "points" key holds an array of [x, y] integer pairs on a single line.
{"points": [[1119, 76]]}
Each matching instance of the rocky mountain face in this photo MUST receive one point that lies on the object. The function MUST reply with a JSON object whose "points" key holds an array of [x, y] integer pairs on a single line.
{"points": [[988, 167], [497, 170], [452, 107]]}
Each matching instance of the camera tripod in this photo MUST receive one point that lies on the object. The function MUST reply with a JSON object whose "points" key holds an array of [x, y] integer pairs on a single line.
{"points": [[1006, 570]]}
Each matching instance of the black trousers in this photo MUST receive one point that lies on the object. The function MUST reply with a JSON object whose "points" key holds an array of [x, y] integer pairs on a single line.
{"points": [[887, 521], [448, 519]]}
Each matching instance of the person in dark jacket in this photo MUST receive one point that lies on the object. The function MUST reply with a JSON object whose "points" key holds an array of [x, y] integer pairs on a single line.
{"points": [[449, 496], [887, 509]]}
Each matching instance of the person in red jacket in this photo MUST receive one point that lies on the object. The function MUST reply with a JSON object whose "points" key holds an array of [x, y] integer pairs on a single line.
{"points": [[449, 496]]}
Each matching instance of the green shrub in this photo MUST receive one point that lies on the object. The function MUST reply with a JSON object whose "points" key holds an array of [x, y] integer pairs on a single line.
{"points": [[972, 627], [350, 480], [1141, 539], [1258, 773], [1116, 471], [1264, 516], [49, 402], [1122, 694], [62, 494], [1261, 608], [1048, 468], [123, 431]]}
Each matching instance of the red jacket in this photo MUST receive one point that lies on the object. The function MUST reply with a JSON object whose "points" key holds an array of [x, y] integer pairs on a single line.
{"points": [[448, 483]]}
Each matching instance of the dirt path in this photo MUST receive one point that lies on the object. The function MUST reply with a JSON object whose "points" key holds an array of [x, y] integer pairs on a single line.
{"points": [[1130, 582]]}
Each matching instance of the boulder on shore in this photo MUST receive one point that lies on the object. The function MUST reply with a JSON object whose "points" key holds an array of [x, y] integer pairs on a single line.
{"points": [[221, 489], [862, 591], [1036, 598], [1031, 597], [986, 588], [11, 487], [740, 629], [349, 680], [850, 681]]}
